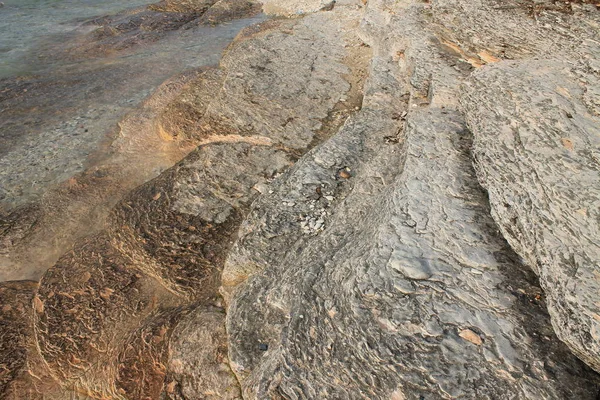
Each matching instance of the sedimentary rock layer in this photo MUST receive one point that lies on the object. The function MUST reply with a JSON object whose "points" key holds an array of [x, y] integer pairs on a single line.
{"points": [[334, 200], [391, 281], [537, 152], [106, 310]]}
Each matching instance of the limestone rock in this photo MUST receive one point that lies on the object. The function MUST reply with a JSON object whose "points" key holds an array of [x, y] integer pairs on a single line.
{"points": [[333, 199], [23, 374], [537, 152], [198, 361], [409, 291], [105, 313]]}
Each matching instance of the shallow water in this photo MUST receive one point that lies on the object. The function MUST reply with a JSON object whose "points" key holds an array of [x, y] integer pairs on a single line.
{"points": [[25, 23], [56, 113]]}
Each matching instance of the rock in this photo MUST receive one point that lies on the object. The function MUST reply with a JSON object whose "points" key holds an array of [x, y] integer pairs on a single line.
{"points": [[198, 361], [15, 328], [537, 153], [123, 31], [105, 313], [322, 315], [401, 288], [471, 336], [295, 7], [394, 297], [23, 374], [227, 10]]}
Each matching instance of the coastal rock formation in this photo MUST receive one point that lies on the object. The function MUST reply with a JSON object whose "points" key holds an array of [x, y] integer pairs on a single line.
{"points": [[537, 152], [329, 237], [393, 282], [107, 308], [123, 31]]}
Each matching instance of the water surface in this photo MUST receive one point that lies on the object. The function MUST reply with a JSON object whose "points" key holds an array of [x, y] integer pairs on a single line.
{"points": [[26, 23], [55, 112]]}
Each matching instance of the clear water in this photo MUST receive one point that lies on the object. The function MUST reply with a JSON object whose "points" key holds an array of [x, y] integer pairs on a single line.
{"points": [[25, 23], [50, 136]]}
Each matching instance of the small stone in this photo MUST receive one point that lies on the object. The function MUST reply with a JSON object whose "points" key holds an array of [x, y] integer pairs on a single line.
{"points": [[344, 174], [38, 305], [263, 346]]}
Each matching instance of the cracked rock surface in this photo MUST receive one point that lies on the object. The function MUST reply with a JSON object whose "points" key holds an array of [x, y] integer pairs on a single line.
{"points": [[538, 155], [409, 291], [331, 236]]}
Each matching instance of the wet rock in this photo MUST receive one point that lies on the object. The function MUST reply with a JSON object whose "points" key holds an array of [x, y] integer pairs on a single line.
{"points": [[124, 31], [182, 6], [105, 313], [227, 10]]}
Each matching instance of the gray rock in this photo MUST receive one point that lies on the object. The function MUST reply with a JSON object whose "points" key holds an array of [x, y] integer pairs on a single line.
{"points": [[198, 363], [537, 152], [356, 251], [409, 291], [341, 323]]}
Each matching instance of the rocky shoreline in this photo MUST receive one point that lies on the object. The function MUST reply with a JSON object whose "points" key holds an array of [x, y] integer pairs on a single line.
{"points": [[375, 200]]}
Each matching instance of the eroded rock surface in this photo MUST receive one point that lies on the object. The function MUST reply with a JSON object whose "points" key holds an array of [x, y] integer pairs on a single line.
{"points": [[537, 152], [393, 281], [198, 362], [123, 31], [107, 309], [333, 203]]}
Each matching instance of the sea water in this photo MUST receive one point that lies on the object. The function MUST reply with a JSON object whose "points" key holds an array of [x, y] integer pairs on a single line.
{"points": [[54, 113]]}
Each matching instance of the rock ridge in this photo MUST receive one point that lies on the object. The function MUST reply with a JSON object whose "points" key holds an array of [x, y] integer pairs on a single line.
{"points": [[329, 236]]}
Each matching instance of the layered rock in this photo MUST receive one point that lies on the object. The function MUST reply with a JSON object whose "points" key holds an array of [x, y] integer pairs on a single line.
{"points": [[106, 310], [354, 246], [388, 277], [537, 131], [126, 30], [535, 121]]}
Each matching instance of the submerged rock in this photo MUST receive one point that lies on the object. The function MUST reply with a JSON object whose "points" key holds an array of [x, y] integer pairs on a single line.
{"points": [[111, 304]]}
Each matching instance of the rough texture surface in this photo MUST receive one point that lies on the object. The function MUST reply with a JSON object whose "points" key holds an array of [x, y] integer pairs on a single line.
{"points": [[106, 311], [198, 362], [537, 152], [393, 281], [332, 203]]}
